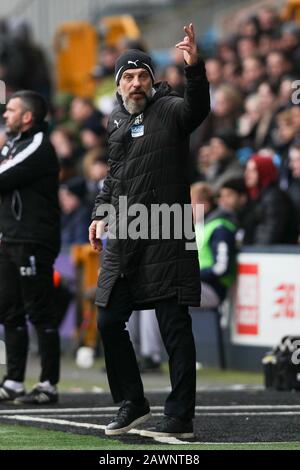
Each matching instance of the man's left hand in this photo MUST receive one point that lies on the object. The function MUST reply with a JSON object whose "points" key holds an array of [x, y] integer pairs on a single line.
{"points": [[189, 46]]}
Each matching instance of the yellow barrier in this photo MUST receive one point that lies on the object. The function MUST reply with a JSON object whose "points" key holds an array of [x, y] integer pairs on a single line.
{"points": [[115, 28], [291, 12], [76, 46], [87, 263]]}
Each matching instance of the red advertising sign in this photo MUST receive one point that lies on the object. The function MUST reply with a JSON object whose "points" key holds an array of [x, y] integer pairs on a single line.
{"points": [[247, 299], [285, 301]]}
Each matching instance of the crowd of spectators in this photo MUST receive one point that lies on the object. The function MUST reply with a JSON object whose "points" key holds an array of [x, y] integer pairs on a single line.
{"points": [[253, 130]]}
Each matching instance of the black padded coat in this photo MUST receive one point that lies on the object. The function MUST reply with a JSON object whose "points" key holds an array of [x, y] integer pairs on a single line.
{"points": [[29, 209], [152, 168]]}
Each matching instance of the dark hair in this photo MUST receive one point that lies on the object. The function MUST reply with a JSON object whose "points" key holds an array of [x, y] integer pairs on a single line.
{"points": [[236, 184], [33, 102]]}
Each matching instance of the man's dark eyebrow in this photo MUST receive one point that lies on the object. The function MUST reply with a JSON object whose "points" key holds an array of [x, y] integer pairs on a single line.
{"points": [[129, 74]]}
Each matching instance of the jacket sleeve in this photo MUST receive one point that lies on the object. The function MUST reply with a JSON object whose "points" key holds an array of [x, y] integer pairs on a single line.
{"points": [[103, 197], [27, 166], [184, 115], [195, 106]]}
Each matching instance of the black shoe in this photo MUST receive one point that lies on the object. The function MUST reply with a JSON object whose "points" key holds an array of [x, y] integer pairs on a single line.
{"points": [[7, 394], [129, 415], [147, 365], [37, 396], [171, 426]]}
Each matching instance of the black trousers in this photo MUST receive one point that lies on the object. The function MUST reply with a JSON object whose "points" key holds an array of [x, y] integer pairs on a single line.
{"points": [[26, 290], [121, 364]]}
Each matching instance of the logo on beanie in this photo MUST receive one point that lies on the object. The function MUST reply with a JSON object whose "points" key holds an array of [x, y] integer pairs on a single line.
{"points": [[133, 62]]}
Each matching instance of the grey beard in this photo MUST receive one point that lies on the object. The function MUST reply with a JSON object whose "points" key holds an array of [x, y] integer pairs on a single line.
{"points": [[136, 108]]}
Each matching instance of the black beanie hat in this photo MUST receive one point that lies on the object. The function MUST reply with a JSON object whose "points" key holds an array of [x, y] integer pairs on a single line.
{"points": [[133, 58]]}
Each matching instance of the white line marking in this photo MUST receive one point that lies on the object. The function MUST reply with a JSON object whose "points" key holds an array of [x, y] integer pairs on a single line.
{"points": [[248, 407], [157, 408], [252, 413], [110, 415], [165, 440], [81, 415], [173, 440], [63, 422], [56, 410]]}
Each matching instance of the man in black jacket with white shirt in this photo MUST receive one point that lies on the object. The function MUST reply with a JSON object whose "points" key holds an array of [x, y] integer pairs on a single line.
{"points": [[30, 242], [148, 157]]}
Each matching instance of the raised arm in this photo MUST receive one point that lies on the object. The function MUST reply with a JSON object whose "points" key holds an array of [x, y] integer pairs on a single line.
{"points": [[196, 104]]}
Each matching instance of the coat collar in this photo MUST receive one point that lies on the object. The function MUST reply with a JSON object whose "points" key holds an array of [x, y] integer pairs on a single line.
{"points": [[43, 127]]}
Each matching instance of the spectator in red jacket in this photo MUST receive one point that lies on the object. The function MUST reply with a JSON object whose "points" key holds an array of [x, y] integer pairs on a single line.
{"points": [[268, 217]]}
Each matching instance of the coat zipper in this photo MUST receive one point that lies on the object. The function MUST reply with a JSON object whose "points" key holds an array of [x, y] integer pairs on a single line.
{"points": [[122, 275]]}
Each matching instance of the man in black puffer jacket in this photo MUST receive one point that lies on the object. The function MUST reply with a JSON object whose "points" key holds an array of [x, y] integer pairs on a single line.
{"points": [[148, 149], [30, 241]]}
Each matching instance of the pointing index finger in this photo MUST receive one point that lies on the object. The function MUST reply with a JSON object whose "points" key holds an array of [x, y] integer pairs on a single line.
{"points": [[190, 31]]}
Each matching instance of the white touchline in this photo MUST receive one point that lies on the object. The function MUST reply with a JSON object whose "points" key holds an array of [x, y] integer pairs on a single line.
{"points": [[253, 413], [57, 410], [173, 440], [157, 408], [110, 415], [248, 407], [63, 422], [166, 440]]}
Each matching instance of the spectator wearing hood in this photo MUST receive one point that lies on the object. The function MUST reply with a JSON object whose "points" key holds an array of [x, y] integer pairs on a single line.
{"points": [[75, 215], [269, 216]]}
